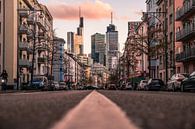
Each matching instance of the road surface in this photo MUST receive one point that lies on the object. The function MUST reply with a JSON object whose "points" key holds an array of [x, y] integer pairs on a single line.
{"points": [[97, 110]]}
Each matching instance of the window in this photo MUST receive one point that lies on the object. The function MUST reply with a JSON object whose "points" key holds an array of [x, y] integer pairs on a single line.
{"points": [[170, 19], [0, 6], [171, 37]]}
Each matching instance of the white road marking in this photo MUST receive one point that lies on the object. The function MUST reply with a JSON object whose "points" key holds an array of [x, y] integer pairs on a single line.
{"points": [[95, 112]]}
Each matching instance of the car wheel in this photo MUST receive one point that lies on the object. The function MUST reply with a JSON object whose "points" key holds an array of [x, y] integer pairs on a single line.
{"points": [[182, 88], [173, 87]]}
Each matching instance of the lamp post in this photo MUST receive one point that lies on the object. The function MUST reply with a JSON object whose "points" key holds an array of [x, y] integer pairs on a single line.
{"points": [[153, 14]]}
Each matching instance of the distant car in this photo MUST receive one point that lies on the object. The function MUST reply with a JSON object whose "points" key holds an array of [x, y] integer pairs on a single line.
{"points": [[175, 82], [56, 85], [39, 82], [188, 83], [62, 86], [142, 85], [112, 87], [128, 86], [91, 87], [155, 84]]}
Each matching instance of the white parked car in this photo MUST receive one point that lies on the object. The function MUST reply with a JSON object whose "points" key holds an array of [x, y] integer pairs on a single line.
{"points": [[175, 81], [56, 85], [142, 84]]}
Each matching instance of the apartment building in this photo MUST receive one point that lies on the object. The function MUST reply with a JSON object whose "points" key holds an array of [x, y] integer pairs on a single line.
{"points": [[74, 70], [1, 33], [8, 38], [166, 56], [185, 31], [25, 29], [35, 39], [58, 59]]}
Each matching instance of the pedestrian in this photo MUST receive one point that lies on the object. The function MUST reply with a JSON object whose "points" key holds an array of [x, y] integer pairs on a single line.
{"points": [[4, 77]]}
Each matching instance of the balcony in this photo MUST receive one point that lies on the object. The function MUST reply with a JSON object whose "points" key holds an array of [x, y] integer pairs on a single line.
{"points": [[23, 13], [41, 35], [42, 60], [30, 20], [23, 29], [186, 33], [40, 23], [23, 46], [186, 11], [42, 48], [188, 55], [25, 63]]}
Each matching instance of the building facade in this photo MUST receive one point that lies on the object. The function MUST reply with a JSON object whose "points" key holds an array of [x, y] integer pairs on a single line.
{"points": [[35, 40], [26, 29], [98, 48], [185, 31], [58, 59], [112, 47], [167, 23]]}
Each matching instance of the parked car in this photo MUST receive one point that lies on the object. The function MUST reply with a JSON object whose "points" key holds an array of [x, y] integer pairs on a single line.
{"points": [[142, 85], [128, 86], [188, 83], [175, 82], [62, 86], [155, 84], [112, 87], [56, 85], [40, 82], [91, 87]]}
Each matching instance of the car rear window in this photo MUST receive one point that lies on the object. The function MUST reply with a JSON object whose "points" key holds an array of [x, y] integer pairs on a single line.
{"points": [[144, 81]]}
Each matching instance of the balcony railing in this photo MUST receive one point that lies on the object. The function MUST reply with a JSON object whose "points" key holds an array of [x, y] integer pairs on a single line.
{"points": [[186, 11], [42, 60], [187, 55], [24, 63], [186, 33], [23, 29], [23, 45], [23, 13], [30, 19], [41, 24]]}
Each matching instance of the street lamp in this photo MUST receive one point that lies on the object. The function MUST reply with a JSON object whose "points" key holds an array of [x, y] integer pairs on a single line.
{"points": [[146, 18]]}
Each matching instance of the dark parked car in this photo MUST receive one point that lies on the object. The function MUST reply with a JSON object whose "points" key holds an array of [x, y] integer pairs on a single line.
{"points": [[155, 84], [188, 83], [90, 87]]}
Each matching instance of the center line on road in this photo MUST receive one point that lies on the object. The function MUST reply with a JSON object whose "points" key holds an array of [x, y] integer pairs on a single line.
{"points": [[95, 112]]}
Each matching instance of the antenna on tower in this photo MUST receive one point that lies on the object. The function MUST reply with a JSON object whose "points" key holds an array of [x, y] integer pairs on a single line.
{"points": [[111, 18], [79, 11]]}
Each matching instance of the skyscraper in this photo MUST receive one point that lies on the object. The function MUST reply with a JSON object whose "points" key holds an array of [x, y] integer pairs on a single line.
{"points": [[75, 40], [70, 42], [98, 48], [112, 46]]}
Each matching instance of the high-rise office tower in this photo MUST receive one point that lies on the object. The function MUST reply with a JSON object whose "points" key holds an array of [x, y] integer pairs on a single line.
{"points": [[98, 48], [112, 46]]}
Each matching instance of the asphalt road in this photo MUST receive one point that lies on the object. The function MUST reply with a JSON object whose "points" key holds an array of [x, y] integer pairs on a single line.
{"points": [[156, 110], [147, 110], [37, 110]]}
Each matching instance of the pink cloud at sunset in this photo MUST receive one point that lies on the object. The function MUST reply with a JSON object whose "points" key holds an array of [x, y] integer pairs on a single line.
{"points": [[90, 10]]}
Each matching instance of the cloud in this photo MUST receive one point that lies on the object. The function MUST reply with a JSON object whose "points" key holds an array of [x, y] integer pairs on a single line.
{"points": [[90, 10]]}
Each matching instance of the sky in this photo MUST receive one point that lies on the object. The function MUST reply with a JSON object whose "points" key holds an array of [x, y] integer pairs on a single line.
{"points": [[97, 16]]}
